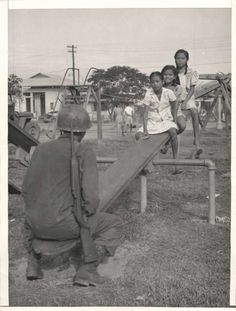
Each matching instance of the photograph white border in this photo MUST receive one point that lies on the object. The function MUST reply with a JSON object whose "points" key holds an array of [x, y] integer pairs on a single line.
{"points": [[63, 4]]}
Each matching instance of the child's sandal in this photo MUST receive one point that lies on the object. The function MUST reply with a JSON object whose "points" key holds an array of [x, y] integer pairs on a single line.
{"points": [[196, 154], [165, 148]]}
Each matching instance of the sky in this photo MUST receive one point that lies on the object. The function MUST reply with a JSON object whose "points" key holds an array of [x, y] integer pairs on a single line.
{"points": [[142, 38]]}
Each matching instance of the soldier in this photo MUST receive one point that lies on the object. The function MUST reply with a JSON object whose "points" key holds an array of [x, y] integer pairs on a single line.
{"points": [[50, 208]]}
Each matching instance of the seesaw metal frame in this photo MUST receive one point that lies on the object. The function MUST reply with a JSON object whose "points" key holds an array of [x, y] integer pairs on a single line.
{"points": [[180, 162]]}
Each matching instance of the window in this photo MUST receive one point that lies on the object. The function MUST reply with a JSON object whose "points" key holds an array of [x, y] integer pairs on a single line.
{"points": [[51, 106], [28, 105], [26, 94]]}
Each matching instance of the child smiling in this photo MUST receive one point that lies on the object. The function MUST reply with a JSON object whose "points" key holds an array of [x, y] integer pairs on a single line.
{"points": [[160, 112]]}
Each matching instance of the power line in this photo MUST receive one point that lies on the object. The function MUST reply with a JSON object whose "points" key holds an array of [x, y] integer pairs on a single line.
{"points": [[200, 39], [155, 65], [158, 50], [36, 55], [117, 51]]}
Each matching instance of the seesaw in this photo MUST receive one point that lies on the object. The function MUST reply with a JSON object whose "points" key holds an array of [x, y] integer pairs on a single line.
{"points": [[131, 163]]}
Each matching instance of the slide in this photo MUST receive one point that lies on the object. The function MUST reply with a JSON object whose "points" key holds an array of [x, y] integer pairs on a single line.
{"points": [[19, 137], [116, 178], [12, 188], [202, 90]]}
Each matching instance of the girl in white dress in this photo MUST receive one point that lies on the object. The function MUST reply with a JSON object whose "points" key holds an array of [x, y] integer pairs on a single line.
{"points": [[159, 112], [188, 79], [169, 73]]}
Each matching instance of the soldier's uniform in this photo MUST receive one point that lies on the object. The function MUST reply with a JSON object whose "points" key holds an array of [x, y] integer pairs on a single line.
{"points": [[48, 198]]}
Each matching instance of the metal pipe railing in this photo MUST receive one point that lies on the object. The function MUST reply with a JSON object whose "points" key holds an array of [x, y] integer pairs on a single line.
{"points": [[106, 160], [211, 178], [186, 162]]}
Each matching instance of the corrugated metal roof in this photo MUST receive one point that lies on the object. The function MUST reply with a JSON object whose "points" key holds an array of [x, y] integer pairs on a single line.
{"points": [[43, 80]]}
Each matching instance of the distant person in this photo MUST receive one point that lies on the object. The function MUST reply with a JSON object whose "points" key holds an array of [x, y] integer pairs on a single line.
{"points": [[188, 79], [160, 113], [129, 116], [119, 118]]}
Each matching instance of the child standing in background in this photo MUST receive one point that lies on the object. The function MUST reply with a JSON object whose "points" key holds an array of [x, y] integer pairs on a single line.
{"points": [[129, 115], [119, 118], [160, 112], [188, 79]]}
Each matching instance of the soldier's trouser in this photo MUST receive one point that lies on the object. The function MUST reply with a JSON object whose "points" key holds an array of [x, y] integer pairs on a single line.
{"points": [[104, 229]]}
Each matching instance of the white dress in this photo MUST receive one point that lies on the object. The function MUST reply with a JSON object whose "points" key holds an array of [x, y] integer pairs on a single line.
{"points": [[160, 118], [129, 115], [188, 79], [120, 117], [180, 94]]}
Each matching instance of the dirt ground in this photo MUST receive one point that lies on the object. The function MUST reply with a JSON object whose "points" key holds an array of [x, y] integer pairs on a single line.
{"points": [[169, 256]]}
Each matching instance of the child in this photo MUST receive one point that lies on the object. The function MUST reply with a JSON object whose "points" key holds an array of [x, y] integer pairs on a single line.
{"points": [[159, 112], [119, 117], [188, 79], [129, 114], [170, 74]]}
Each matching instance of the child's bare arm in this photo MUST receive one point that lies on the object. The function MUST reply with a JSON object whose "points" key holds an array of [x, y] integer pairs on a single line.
{"points": [[145, 117], [174, 110], [189, 95]]}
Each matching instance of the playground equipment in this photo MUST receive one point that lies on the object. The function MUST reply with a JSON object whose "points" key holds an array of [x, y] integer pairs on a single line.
{"points": [[24, 120], [109, 199], [144, 151], [127, 167], [25, 144], [211, 179], [141, 153], [219, 83], [79, 94], [13, 189], [20, 138]]}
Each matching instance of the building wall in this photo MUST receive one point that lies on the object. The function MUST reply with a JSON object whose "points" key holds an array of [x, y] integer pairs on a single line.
{"points": [[50, 99]]}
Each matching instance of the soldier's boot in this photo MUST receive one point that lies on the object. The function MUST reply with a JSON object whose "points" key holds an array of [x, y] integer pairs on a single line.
{"points": [[34, 271], [87, 275]]}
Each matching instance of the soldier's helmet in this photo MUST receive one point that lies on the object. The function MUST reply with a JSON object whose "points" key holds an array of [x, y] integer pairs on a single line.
{"points": [[73, 117]]}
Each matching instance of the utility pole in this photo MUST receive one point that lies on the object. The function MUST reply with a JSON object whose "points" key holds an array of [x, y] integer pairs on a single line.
{"points": [[72, 49]]}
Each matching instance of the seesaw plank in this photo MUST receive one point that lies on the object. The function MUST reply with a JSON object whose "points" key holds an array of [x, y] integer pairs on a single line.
{"points": [[116, 178]]}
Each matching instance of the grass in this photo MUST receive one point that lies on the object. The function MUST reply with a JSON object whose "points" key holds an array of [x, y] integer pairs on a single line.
{"points": [[173, 256]]}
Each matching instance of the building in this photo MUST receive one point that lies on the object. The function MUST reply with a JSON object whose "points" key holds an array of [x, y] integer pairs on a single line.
{"points": [[40, 93]]}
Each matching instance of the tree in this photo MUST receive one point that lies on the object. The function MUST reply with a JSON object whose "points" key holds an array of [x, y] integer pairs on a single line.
{"points": [[14, 87], [120, 84]]}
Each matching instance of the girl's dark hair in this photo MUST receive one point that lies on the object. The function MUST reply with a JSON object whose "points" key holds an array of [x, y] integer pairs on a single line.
{"points": [[182, 51], [156, 73], [187, 56], [175, 72]]}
